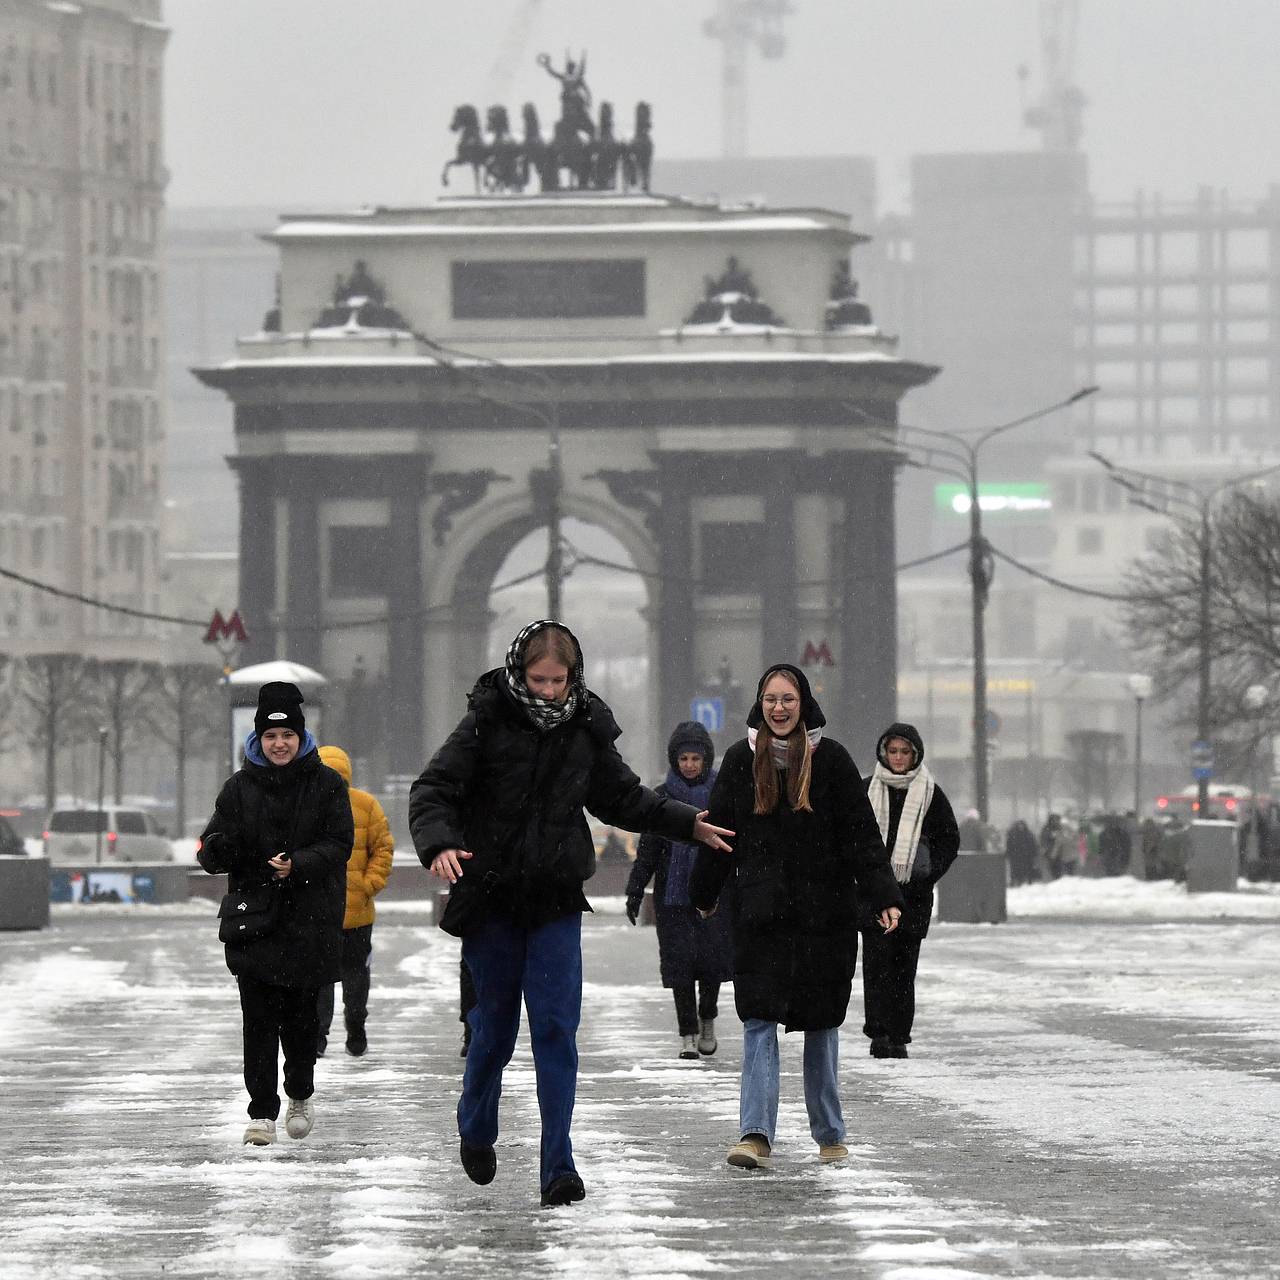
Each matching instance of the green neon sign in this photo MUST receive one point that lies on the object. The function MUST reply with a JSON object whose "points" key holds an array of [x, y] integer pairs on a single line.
{"points": [[997, 498]]}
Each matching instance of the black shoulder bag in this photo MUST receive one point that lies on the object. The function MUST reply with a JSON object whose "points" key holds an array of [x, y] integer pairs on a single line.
{"points": [[249, 914]]}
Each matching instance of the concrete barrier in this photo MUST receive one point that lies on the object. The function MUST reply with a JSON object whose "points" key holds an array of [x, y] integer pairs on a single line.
{"points": [[121, 882], [24, 893], [973, 891], [1214, 863]]}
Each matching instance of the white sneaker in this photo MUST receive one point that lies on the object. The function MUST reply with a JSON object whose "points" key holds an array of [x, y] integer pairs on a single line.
{"points": [[299, 1117], [260, 1133]]}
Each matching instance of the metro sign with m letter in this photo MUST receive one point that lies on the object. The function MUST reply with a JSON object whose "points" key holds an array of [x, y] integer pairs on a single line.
{"points": [[226, 630], [817, 655]]}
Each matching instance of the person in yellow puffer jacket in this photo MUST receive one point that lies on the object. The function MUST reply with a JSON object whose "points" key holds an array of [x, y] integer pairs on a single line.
{"points": [[367, 872]]}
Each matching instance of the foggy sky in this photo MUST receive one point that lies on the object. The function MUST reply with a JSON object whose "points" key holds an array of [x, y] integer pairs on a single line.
{"points": [[342, 102]]}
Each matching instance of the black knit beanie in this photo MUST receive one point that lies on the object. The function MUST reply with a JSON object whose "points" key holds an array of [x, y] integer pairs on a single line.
{"points": [[689, 735], [279, 707]]}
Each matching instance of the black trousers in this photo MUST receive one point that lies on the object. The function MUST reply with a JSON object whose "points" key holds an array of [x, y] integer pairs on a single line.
{"points": [[889, 963], [357, 966], [275, 1018], [689, 1009]]}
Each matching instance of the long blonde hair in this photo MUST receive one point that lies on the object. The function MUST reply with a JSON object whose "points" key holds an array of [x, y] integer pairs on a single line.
{"points": [[764, 773]]}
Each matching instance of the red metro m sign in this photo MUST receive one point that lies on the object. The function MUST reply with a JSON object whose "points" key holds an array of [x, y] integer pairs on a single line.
{"points": [[226, 630], [817, 655]]}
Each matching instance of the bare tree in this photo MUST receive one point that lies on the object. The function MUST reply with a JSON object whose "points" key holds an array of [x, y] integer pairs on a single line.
{"points": [[55, 686], [1094, 756], [1230, 564], [186, 711], [121, 689]]}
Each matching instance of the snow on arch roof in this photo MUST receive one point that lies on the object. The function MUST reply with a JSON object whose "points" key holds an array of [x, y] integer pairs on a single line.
{"points": [[280, 669]]}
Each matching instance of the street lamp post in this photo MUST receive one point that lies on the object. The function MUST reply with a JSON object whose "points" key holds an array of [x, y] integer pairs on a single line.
{"points": [[1140, 686], [101, 822], [959, 456]]}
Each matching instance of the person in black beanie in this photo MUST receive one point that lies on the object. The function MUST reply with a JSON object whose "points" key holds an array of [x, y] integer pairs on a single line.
{"points": [[282, 822], [919, 829], [691, 950]]}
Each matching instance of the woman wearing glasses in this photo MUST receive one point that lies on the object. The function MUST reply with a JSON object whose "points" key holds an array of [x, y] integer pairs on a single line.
{"points": [[807, 853]]}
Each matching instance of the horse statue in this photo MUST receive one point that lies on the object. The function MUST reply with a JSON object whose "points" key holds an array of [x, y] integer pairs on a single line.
{"points": [[502, 168], [573, 156], [607, 152], [535, 153], [637, 155], [472, 148]]}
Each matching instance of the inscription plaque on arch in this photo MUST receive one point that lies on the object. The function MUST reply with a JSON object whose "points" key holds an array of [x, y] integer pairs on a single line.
{"points": [[558, 289]]}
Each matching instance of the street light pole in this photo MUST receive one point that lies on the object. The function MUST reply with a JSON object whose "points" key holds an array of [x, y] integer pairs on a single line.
{"points": [[555, 487], [1140, 686], [961, 458], [1204, 673], [101, 822]]}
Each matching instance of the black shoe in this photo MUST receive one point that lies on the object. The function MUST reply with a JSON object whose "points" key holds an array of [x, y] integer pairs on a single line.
{"points": [[566, 1189], [479, 1163], [881, 1048], [898, 1051], [357, 1042]]}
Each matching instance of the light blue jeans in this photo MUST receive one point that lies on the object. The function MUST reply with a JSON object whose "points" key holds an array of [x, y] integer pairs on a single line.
{"points": [[758, 1108]]}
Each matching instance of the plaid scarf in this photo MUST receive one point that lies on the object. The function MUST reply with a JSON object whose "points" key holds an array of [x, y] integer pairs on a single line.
{"points": [[544, 713], [918, 784]]}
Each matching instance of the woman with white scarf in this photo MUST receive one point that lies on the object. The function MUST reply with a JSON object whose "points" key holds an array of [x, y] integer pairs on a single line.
{"points": [[919, 830]]}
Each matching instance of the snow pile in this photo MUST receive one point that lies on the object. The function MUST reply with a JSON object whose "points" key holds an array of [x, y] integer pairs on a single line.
{"points": [[1124, 898]]}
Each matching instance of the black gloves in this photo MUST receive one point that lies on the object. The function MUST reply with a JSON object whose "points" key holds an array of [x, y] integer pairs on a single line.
{"points": [[634, 902]]}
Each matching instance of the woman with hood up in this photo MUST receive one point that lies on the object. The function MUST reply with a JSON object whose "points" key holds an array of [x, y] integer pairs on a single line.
{"points": [[807, 853], [919, 829], [498, 813], [282, 820], [695, 955]]}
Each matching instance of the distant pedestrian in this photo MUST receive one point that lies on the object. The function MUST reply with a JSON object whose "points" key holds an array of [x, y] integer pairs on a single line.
{"points": [[695, 955], [919, 829], [806, 854], [498, 813], [973, 832], [282, 832], [1021, 851], [367, 872], [1055, 841], [1115, 846]]}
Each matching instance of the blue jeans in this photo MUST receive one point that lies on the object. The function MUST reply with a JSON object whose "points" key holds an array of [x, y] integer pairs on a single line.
{"points": [[758, 1108], [545, 966]]}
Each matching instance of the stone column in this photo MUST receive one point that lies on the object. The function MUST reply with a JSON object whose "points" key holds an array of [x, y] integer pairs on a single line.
{"points": [[300, 624], [675, 621], [405, 601], [257, 600], [778, 572], [868, 602]]}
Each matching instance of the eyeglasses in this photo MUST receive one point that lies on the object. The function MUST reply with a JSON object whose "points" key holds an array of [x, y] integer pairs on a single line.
{"points": [[787, 700]]}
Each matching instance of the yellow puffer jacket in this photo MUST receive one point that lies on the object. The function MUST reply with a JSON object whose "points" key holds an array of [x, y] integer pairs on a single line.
{"points": [[370, 863]]}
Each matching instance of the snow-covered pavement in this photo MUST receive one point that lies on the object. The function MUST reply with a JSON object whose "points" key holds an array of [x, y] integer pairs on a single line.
{"points": [[1085, 1097]]}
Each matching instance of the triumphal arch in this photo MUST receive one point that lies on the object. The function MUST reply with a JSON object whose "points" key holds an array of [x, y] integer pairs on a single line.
{"points": [[437, 382]]}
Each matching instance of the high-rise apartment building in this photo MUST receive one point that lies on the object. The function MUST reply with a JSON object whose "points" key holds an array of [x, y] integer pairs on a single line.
{"points": [[82, 422]]}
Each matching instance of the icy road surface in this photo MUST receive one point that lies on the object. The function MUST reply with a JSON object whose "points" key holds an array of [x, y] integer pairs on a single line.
{"points": [[1085, 1097]]}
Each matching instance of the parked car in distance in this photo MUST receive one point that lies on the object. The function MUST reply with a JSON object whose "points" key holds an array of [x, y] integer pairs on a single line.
{"points": [[128, 835], [11, 845]]}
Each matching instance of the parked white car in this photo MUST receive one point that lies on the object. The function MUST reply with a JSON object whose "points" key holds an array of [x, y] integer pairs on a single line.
{"points": [[128, 835]]}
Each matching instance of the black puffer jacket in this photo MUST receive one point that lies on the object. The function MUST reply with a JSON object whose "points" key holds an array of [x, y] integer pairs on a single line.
{"points": [[796, 882], [512, 795], [301, 809]]}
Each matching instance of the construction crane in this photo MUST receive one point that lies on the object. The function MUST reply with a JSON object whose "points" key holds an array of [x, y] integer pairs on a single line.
{"points": [[510, 49], [1058, 114], [739, 24]]}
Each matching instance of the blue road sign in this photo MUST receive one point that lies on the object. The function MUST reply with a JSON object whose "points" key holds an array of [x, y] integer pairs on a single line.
{"points": [[1202, 761], [708, 712]]}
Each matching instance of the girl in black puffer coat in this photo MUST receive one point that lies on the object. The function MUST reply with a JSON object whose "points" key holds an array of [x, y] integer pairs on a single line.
{"points": [[807, 854], [283, 820], [919, 829], [498, 813], [691, 950]]}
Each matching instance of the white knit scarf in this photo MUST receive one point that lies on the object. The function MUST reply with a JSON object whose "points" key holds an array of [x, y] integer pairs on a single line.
{"points": [[918, 784], [778, 746]]}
